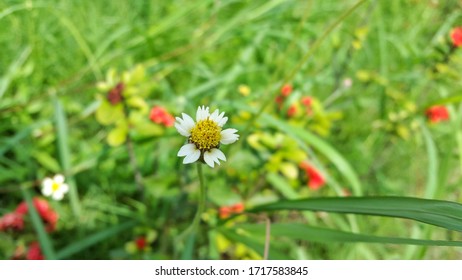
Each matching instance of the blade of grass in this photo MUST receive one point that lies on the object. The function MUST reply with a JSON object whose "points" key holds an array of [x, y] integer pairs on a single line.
{"points": [[64, 154], [45, 242], [433, 163], [324, 235], [188, 251], [13, 69], [94, 239], [430, 187], [435, 212]]}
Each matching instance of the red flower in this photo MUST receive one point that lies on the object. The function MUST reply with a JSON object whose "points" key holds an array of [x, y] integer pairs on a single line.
{"points": [[140, 243], [160, 116], [437, 113], [456, 36], [226, 211], [286, 90], [48, 215], [315, 178], [237, 208], [34, 252], [292, 111], [306, 101], [115, 94], [12, 221]]}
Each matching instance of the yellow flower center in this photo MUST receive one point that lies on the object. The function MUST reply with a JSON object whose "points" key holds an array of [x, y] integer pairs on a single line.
{"points": [[206, 135], [55, 186]]}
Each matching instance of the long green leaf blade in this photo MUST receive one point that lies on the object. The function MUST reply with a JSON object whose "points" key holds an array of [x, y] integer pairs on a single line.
{"points": [[435, 212], [324, 235], [43, 238], [65, 155]]}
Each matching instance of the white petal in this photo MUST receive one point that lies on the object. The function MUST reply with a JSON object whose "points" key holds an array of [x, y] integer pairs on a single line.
{"points": [[212, 156], [188, 121], [181, 130], [218, 154], [57, 195], [64, 188], [184, 126], [228, 136], [47, 182], [214, 116], [47, 189], [209, 158], [222, 121], [59, 178], [202, 113], [186, 150], [192, 157]]}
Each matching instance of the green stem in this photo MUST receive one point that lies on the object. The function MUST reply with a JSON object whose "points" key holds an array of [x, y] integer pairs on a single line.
{"points": [[202, 198], [200, 209]]}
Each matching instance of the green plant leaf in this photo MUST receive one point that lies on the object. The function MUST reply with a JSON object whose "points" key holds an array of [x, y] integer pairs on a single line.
{"points": [[43, 238], [317, 234], [65, 154], [117, 136], [107, 113], [435, 212]]}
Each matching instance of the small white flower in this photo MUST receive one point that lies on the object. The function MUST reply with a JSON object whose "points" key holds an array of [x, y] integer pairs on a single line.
{"points": [[55, 187], [204, 136]]}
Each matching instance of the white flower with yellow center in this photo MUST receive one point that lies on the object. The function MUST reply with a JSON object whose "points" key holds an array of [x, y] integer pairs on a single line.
{"points": [[55, 187], [204, 136]]}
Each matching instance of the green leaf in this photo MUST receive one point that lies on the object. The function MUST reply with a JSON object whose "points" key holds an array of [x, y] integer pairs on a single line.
{"points": [[433, 163], [65, 154], [289, 170], [47, 161], [317, 234], [107, 113], [93, 239], [43, 238], [13, 69], [117, 136], [146, 129], [435, 212]]}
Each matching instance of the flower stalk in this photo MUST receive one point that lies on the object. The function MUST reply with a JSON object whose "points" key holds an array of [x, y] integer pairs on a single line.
{"points": [[202, 197], [194, 226]]}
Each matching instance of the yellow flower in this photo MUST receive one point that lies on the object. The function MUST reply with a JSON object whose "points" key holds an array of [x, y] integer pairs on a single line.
{"points": [[244, 90]]}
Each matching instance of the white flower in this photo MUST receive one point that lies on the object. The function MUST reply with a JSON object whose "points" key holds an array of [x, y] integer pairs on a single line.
{"points": [[55, 187], [204, 136]]}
